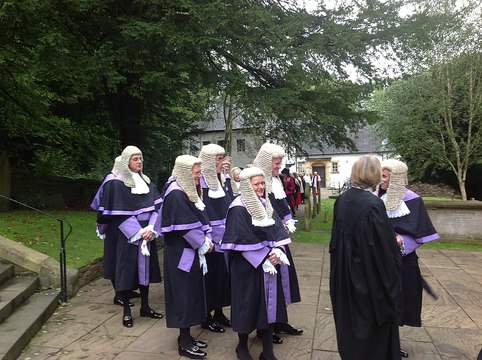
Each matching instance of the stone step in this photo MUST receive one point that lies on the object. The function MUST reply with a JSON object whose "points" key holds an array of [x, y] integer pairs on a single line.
{"points": [[14, 292], [21, 326], [6, 272]]}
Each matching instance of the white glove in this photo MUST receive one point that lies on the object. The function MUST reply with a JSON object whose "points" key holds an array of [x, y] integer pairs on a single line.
{"points": [[144, 249], [281, 255], [202, 263], [204, 248], [269, 268], [290, 225]]}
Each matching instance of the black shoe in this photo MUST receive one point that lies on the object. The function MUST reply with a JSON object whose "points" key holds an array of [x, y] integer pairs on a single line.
{"points": [[287, 328], [118, 301], [403, 353], [151, 314], [127, 321], [262, 356], [192, 353], [212, 326], [244, 356], [200, 344], [276, 339], [222, 320]]}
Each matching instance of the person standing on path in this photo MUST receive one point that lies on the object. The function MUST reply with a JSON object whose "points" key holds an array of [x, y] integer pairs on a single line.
{"points": [[269, 159], [364, 270], [413, 227], [255, 240], [187, 240], [128, 211], [217, 198]]}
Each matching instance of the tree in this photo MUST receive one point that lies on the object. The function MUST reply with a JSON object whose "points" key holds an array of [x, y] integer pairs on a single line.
{"points": [[81, 79], [434, 120]]}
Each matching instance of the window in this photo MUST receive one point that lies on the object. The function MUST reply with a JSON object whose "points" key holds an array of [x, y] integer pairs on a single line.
{"points": [[241, 145], [222, 143], [334, 167]]}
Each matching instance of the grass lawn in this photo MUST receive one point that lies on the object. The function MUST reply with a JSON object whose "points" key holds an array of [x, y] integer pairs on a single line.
{"points": [[42, 233], [321, 230]]}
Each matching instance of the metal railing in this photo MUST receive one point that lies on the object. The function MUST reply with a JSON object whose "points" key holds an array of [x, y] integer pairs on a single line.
{"points": [[63, 259]]}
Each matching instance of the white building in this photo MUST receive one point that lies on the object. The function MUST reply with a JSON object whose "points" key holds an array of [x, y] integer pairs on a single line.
{"points": [[334, 165]]}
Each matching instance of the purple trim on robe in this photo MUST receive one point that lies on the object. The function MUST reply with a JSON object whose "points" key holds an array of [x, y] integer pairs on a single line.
{"points": [[286, 218], [217, 232], [411, 244], [127, 212], [270, 290], [181, 227], [96, 202], [285, 281], [410, 195], [195, 238], [251, 247], [187, 259], [143, 264], [220, 222], [173, 186], [130, 227], [256, 257], [144, 216]]}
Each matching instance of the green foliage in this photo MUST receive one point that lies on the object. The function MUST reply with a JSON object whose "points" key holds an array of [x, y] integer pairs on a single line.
{"points": [[434, 119], [42, 234], [79, 80]]}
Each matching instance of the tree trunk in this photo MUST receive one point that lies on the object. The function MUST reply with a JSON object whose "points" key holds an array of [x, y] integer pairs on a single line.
{"points": [[228, 121]]}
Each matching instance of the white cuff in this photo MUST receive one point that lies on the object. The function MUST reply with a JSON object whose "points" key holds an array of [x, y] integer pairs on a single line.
{"points": [[202, 263], [269, 268], [144, 248], [204, 248], [281, 255], [290, 225]]}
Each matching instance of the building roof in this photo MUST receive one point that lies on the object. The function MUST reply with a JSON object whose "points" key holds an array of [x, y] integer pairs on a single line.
{"points": [[366, 141], [217, 123]]}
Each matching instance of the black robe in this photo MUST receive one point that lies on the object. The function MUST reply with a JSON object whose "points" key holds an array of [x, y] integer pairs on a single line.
{"points": [[289, 275], [217, 284], [122, 214], [257, 297], [185, 228], [364, 278]]}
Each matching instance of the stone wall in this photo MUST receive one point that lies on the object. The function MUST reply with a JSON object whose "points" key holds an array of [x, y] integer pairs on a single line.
{"points": [[456, 219]]}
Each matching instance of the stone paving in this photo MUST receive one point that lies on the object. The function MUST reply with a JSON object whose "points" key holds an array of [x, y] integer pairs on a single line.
{"points": [[89, 326]]}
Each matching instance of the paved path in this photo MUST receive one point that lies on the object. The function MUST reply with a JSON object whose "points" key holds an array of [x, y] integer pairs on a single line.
{"points": [[89, 326]]}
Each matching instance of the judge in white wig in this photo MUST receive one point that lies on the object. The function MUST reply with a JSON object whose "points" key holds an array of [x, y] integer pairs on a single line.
{"points": [[269, 159], [187, 239], [128, 207], [413, 226], [217, 198], [255, 239]]}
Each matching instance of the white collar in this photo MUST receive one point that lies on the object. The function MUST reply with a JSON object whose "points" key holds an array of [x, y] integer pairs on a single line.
{"points": [[277, 188], [141, 186], [399, 211]]}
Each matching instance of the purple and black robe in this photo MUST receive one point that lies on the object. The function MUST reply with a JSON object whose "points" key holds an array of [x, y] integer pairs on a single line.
{"points": [[184, 228], [120, 216], [416, 229], [257, 298], [218, 293], [289, 275]]}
